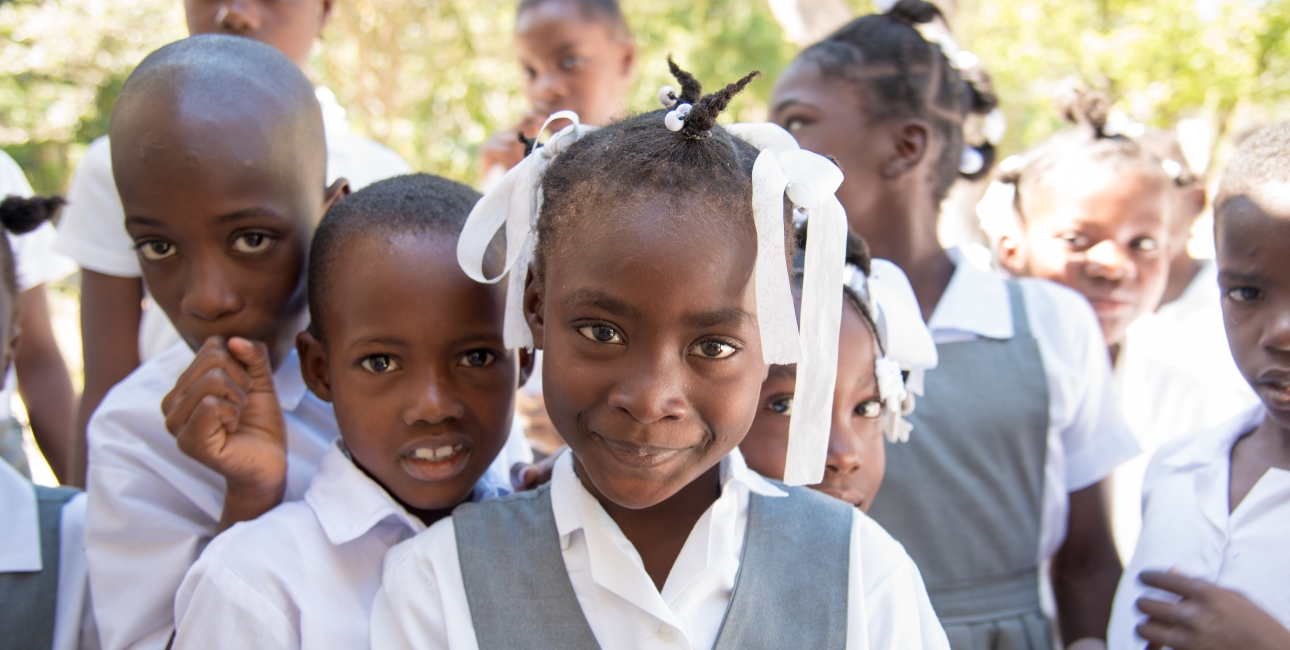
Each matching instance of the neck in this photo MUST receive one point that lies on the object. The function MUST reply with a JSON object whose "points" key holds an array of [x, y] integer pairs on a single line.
{"points": [[1182, 271], [427, 517], [1277, 439], [905, 235]]}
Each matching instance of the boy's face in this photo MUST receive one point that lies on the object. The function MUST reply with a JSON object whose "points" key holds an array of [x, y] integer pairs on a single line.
{"points": [[221, 219], [413, 361], [291, 26], [857, 458], [653, 357], [572, 63], [1253, 237], [1101, 232]]}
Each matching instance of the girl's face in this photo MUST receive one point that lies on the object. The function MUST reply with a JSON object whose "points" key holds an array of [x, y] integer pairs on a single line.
{"points": [[1100, 231], [653, 361], [857, 458], [572, 62], [827, 116]]}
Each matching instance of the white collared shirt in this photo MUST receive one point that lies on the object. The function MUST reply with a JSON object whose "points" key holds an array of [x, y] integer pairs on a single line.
{"points": [[153, 509], [303, 575], [1087, 436], [1175, 376], [20, 553], [1187, 527], [92, 227], [422, 603]]}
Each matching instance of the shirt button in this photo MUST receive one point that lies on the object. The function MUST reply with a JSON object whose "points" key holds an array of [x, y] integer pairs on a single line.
{"points": [[666, 634]]}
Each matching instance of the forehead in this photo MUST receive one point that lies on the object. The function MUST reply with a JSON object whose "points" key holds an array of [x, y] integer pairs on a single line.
{"points": [[554, 24], [1080, 188], [1254, 224], [805, 82]]}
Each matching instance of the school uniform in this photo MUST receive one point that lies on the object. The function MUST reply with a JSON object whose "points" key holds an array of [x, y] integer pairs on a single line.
{"points": [[35, 263], [1187, 527], [1018, 414], [44, 598], [549, 568], [303, 575], [92, 227], [1174, 376]]}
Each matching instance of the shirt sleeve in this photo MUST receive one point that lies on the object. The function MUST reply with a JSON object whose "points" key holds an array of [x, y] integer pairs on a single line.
{"points": [[92, 227], [216, 609], [35, 260], [73, 620], [887, 603], [422, 602]]}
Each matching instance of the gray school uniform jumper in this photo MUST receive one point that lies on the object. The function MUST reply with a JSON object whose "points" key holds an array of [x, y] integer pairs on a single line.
{"points": [[790, 592], [29, 600], [965, 494]]}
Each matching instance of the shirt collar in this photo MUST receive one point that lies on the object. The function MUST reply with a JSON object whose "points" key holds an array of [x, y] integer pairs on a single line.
{"points": [[19, 519], [289, 383], [975, 302], [348, 503], [333, 114], [1214, 446]]}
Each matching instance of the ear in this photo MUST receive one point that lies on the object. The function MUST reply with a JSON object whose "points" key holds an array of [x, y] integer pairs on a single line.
{"points": [[313, 364], [533, 308], [1011, 251], [1196, 198], [335, 192], [629, 59], [12, 344], [327, 6], [527, 359], [909, 140]]}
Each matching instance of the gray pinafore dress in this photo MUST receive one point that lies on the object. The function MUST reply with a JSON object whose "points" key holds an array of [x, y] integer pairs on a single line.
{"points": [[29, 600], [520, 596], [965, 494]]}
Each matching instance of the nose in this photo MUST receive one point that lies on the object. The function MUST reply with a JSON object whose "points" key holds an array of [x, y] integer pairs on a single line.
{"points": [[652, 391], [433, 401], [210, 294], [549, 87], [844, 449], [238, 16], [1106, 260]]}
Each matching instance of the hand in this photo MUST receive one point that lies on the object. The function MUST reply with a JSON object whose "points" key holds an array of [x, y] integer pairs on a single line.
{"points": [[505, 149], [525, 477], [225, 414], [1208, 617]]}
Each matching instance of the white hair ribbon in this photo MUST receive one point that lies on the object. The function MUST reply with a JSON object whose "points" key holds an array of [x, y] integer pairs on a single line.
{"points": [[906, 343], [515, 203]]}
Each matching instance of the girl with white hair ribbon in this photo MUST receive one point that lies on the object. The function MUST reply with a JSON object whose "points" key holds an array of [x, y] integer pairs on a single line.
{"points": [[659, 293]]}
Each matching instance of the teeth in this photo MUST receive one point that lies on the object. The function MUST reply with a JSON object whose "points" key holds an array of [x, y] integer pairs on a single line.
{"points": [[438, 453]]}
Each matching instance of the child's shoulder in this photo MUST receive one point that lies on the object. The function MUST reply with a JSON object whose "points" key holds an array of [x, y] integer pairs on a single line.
{"points": [[141, 392], [285, 529], [1202, 448]]}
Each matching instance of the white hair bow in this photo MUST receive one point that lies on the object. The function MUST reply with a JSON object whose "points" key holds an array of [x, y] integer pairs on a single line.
{"points": [[515, 202]]}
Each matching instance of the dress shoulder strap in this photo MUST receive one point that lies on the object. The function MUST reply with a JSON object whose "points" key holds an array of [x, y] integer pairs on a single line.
{"points": [[1020, 317]]}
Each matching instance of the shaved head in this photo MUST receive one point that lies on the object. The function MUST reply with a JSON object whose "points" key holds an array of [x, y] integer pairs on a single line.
{"points": [[1259, 172]]}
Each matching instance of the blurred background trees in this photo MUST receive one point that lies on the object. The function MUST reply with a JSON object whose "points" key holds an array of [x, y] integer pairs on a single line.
{"points": [[433, 79]]}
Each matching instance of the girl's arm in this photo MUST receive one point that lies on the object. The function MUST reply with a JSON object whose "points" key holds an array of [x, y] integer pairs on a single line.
{"points": [[1086, 570], [111, 308], [44, 383]]}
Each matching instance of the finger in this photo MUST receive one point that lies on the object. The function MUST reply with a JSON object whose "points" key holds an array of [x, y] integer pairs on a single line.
{"points": [[1163, 635], [204, 435], [215, 383], [254, 356], [1171, 613], [519, 472], [213, 354], [1177, 583]]}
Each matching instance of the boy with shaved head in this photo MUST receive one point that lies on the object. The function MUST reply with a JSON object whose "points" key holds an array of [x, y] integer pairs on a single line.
{"points": [[1211, 568], [220, 161]]}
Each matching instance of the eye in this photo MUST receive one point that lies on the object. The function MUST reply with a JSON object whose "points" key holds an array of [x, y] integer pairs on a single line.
{"points": [[712, 349], [252, 242], [1076, 241], [155, 250], [1145, 244], [477, 359], [570, 62], [1244, 294], [601, 334], [794, 123], [869, 409], [781, 404], [530, 73], [380, 364]]}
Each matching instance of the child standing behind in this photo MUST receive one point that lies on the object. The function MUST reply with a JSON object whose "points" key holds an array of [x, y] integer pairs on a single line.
{"points": [[409, 351], [658, 302], [222, 192], [1211, 569]]}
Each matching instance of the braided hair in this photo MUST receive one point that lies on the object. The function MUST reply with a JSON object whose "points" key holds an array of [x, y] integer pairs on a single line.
{"points": [[900, 74], [1087, 139], [20, 215], [638, 159]]}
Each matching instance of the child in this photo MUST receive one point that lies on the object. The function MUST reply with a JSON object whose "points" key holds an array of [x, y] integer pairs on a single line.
{"points": [[92, 230], [577, 55], [39, 372], [862, 412], [409, 350], [222, 192], [1210, 569], [42, 554], [1018, 426], [644, 295]]}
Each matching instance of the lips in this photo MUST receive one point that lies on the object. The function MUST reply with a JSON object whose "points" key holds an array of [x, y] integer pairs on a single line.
{"points": [[435, 460], [852, 497], [638, 456], [1274, 387]]}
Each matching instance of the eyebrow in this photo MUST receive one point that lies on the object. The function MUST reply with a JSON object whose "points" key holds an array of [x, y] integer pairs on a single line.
{"points": [[791, 101], [707, 319], [602, 301], [1237, 276], [392, 341], [240, 215]]}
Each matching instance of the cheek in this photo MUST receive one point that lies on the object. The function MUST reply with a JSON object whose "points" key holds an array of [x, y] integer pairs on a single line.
{"points": [[1049, 258], [766, 445]]}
